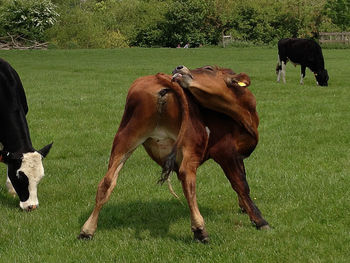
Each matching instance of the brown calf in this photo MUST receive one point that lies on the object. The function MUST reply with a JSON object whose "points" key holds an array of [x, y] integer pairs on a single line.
{"points": [[180, 134]]}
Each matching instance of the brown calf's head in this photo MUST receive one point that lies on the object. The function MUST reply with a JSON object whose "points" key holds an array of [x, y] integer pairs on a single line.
{"points": [[209, 76], [221, 90]]}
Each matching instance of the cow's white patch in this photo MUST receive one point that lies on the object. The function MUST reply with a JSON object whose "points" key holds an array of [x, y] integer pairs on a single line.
{"points": [[284, 72], [301, 79], [207, 130], [280, 68], [32, 167], [278, 75], [161, 133], [9, 187]]}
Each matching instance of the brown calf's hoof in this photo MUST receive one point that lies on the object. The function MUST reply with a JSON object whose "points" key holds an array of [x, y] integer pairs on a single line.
{"points": [[261, 225], [265, 227], [84, 236], [201, 235]]}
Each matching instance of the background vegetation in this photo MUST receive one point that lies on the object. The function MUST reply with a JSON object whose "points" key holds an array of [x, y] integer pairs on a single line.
{"points": [[167, 23], [299, 173]]}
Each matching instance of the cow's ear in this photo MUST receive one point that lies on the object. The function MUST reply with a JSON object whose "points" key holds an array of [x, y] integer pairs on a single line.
{"points": [[45, 150], [240, 79], [163, 78]]}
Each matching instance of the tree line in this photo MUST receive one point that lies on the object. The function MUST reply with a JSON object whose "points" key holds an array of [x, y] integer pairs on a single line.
{"points": [[168, 23]]}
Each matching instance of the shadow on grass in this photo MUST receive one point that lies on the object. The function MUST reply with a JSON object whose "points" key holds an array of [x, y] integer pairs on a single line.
{"points": [[155, 217]]}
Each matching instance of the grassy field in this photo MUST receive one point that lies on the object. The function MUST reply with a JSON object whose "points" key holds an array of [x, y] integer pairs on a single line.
{"points": [[299, 174]]}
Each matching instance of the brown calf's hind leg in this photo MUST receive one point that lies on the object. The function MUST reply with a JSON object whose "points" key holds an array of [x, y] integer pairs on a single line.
{"points": [[103, 194], [125, 142]]}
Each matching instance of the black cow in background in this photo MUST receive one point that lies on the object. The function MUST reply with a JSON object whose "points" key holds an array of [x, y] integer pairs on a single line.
{"points": [[24, 163], [304, 52]]}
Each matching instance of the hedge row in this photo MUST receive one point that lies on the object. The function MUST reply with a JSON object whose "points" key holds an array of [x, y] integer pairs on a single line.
{"points": [[167, 23]]}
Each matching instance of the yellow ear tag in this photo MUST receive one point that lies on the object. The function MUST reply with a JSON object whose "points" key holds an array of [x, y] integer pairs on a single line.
{"points": [[242, 84]]}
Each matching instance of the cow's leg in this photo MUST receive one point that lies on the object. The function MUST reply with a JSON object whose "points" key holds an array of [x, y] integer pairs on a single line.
{"points": [[237, 177], [241, 205], [125, 142], [103, 194], [278, 69], [302, 75], [10, 188], [235, 173], [283, 71], [187, 176]]}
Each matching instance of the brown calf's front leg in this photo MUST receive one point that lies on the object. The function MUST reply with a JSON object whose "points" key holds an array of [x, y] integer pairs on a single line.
{"points": [[235, 173], [187, 176]]}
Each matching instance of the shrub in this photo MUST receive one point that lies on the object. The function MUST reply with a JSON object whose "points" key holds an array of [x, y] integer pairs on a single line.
{"points": [[117, 23], [80, 28], [137, 20], [190, 21], [76, 29], [114, 39], [28, 18], [339, 12]]}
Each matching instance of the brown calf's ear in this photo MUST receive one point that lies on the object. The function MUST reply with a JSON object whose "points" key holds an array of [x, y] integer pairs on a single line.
{"points": [[164, 79], [240, 79]]}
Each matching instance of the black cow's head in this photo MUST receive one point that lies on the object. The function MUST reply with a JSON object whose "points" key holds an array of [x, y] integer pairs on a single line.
{"points": [[25, 171], [322, 77]]}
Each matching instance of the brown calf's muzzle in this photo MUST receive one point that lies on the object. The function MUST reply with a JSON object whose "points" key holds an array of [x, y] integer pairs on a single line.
{"points": [[181, 69], [183, 76]]}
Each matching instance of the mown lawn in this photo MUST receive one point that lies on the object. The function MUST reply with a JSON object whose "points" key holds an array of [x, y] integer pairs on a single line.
{"points": [[299, 174]]}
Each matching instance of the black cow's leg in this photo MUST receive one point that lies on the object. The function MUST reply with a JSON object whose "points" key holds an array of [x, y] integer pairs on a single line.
{"points": [[283, 71], [10, 188], [303, 68], [235, 173], [279, 69]]}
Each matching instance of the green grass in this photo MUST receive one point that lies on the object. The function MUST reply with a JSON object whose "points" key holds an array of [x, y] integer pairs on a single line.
{"points": [[298, 175]]}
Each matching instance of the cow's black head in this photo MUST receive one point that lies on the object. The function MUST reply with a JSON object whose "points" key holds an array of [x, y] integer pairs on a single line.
{"points": [[25, 172], [322, 77]]}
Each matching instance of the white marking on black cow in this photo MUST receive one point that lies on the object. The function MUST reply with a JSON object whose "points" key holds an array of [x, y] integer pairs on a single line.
{"points": [[32, 167], [207, 130], [9, 187]]}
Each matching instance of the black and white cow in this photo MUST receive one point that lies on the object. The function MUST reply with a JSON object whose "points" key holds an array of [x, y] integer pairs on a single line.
{"points": [[24, 163], [304, 52]]}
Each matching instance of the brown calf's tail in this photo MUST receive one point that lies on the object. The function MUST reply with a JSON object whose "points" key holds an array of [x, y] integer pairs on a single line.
{"points": [[170, 163], [168, 166]]}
